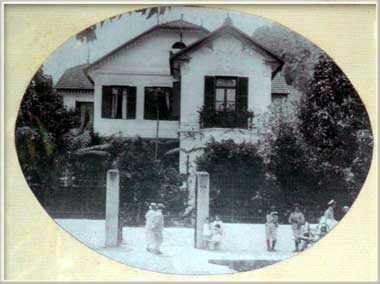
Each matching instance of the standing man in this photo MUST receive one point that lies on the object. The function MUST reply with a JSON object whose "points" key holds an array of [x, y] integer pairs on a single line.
{"points": [[271, 229], [149, 234], [158, 229], [296, 219]]}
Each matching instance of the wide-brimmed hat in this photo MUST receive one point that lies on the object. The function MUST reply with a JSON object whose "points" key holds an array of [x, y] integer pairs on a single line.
{"points": [[275, 213], [331, 202], [152, 205], [160, 205]]}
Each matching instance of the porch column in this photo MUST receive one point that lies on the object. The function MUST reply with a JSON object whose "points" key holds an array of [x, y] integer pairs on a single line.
{"points": [[202, 199], [140, 100], [112, 208]]}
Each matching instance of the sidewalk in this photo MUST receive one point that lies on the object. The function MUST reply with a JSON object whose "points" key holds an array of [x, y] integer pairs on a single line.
{"points": [[243, 242]]}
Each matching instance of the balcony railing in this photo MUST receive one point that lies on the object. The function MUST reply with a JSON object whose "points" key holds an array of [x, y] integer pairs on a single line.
{"points": [[209, 118]]}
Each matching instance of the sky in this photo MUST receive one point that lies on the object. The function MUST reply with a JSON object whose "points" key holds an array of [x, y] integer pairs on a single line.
{"points": [[116, 32]]}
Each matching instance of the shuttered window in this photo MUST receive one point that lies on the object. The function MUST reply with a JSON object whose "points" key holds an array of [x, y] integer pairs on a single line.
{"points": [[226, 93], [242, 94], [176, 100], [209, 93], [119, 102]]}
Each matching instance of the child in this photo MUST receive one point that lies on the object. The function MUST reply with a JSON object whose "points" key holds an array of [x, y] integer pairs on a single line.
{"points": [[217, 221], [216, 239], [271, 229], [206, 233]]}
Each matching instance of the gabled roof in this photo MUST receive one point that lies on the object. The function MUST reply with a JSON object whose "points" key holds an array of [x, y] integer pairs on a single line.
{"points": [[279, 85], [74, 78], [182, 25], [226, 28], [177, 25]]}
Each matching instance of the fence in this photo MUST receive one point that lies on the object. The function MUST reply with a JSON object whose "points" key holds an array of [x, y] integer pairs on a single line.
{"points": [[235, 200], [83, 198], [232, 198]]}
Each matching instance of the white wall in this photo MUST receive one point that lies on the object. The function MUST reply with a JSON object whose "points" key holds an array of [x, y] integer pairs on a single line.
{"points": [[228, 57], [143, 65], [132, 127], [70, 98], [149, 55]]}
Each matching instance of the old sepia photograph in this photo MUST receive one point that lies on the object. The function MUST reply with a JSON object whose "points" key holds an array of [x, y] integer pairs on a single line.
{"points": [[193, 141]]}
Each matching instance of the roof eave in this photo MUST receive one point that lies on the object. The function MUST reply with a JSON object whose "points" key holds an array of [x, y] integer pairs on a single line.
{"points": [[136, 38], [233, 30]]}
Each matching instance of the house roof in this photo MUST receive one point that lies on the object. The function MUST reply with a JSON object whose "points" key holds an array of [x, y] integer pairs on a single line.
{"points": [[182, 25], [279, 85], [226, 28], [177, 25], [75, 78]]}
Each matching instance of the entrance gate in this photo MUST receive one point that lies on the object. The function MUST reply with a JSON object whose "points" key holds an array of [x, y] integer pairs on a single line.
{"points": [[233, 199], [229, 197]]}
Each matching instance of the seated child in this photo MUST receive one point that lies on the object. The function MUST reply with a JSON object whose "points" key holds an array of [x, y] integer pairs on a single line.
{"points": [[216, 238]]}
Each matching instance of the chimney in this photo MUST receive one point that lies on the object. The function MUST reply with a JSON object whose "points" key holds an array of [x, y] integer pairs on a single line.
{"points": [[227, 21]]}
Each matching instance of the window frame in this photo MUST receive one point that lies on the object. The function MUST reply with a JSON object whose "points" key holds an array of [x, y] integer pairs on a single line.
{"points": [[226, 88], [123, 102], [171, 117]]}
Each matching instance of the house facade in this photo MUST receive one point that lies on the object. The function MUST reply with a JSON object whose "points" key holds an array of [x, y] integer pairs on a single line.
{"points": [[180, 81], [77, 91]]}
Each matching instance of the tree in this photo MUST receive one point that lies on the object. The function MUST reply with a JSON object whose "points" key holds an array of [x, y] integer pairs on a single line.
{"points": [[41, 122], [143, 178], [299, 55], [89, 34], [334, 124], [237, 179], [42, 110]]}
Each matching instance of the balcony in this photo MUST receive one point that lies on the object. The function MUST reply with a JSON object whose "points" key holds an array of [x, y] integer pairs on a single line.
{"points": [[209, 118]]}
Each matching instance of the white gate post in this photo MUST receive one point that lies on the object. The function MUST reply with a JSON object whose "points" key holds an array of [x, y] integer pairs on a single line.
{"points": [[202, 199], [112, 208]]}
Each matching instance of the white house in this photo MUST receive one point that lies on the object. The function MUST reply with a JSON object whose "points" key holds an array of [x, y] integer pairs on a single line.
{"points": [[199, 84], [77, 91]]}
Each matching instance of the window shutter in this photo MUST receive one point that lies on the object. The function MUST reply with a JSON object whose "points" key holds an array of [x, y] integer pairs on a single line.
{"points": [[149, 104], [119, 110], [209, 95], [242, 94], [106, 102], [131, 103], [176, 100]]}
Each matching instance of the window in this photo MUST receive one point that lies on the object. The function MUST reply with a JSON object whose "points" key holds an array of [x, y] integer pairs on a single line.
{"points": [[86, 110], [279, 99], [161, 102], [225, 102], [119, 102], [225, 94]]}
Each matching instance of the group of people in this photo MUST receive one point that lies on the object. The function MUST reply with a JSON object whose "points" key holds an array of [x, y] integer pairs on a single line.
{"points": [[212, 231], [302, 231], [154, 228]]}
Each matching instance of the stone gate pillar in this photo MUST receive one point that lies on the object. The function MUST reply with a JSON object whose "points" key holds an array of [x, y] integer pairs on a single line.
{"points": [[112, 208], [202, 205]]}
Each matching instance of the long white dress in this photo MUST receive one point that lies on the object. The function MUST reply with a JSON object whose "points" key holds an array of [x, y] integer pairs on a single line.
{"points": [[329, 219], [158, 229], [149, 234]]}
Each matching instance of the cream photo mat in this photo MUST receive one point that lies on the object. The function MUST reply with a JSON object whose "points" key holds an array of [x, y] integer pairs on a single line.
{"points": [[36, 248]]}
